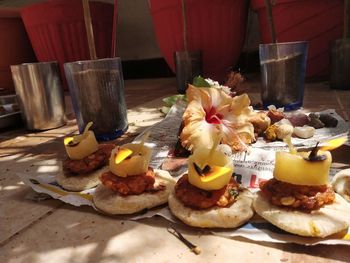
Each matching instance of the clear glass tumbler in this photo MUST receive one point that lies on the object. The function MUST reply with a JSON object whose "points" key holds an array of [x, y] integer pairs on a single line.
{"points": [[282, 68], [97, 91]]}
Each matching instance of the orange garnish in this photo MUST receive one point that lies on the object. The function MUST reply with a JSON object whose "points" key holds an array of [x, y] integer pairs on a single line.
{"points": [[122, 154], [68, 140], [334, 143], [215, 172]]}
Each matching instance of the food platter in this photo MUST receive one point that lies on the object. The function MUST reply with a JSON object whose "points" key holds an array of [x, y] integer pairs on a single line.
{"points": [[251, 167]]}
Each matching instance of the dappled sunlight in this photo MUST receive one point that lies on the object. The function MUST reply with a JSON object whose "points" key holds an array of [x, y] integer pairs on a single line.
{"points": [[77, 254], [8, 188], [48, 169], [47, 162], [142, 117], [142, 109], [75, 236]]}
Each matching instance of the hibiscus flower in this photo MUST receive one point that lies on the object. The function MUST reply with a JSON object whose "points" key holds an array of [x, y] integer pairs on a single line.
{"points": [[212, 113]]}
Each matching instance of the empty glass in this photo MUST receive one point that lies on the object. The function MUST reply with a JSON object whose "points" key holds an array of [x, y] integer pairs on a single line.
{"points": [[40, 94]]}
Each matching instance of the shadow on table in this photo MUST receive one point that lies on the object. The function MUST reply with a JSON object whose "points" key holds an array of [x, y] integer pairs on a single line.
{"points": [[37, 229], [333, 252], [72, 234]]}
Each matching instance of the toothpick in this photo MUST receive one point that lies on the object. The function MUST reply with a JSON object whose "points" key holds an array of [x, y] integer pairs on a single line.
{"points": [[217, 141], [288, 141], [79, 137], [191, 246], [87, 127], [143, 140]]}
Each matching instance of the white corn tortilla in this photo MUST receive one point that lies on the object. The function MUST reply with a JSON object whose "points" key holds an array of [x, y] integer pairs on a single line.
{"points": [[111, 203], [341, 184], [80, 182], [224, 217], [323, 222]]}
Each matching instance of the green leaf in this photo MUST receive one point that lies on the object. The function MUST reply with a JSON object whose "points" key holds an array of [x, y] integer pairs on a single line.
{"points": [[199, 81], [165, 110], [170, 101]]}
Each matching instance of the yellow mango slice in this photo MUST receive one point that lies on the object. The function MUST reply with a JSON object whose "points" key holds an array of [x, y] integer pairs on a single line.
{"points": [[122, 154], [294, 169], [134, 164], [221, 169], [82, 145], [214, 173]]}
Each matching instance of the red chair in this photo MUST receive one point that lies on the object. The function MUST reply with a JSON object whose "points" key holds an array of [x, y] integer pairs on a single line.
{"points": [[217, 28], [56, 30], [15, 47]]}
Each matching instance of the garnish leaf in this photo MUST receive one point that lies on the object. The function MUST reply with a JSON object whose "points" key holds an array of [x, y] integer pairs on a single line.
{"points": [[122, 154], [171, 100], [314, 157], [199, 81], [73, 143], [201, 172]]}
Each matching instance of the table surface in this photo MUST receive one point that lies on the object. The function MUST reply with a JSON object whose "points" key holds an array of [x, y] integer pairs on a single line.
{"points": [[51, 231]]}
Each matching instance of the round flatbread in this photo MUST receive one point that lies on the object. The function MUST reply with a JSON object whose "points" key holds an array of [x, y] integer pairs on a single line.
{"points": [[115, 204], [80, 182], [341, 183], [323, 222], [224, 217]]}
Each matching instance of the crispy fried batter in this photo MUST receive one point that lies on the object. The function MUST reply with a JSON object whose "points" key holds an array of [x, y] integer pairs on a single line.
{"points": [[234, 82], [275, 115], [301, 197], [89, 163], [197, 198], [130, 185], [260, 121]]}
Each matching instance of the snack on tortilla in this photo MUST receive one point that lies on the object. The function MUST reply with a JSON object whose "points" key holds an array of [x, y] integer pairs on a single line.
{"points": [[86, 160], [109, 202], [131, 185], [299, 198], [208, 196], [223, 217], [328, 220]]}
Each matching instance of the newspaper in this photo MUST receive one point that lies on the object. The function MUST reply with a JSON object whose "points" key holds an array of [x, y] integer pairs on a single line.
{"points": [[250, 168]]}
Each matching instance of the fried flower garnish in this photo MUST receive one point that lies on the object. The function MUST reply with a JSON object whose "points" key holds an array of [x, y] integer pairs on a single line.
{"points": [[260, 121], [234, 82], [211, 113]]}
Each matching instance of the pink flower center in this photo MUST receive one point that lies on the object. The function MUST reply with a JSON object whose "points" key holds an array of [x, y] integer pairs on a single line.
{"points": [[212, 116]]}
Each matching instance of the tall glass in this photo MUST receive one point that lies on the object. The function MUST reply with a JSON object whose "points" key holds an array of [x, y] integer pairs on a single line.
{"points": [[283, 74], [97, 92], [40, 94]]}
